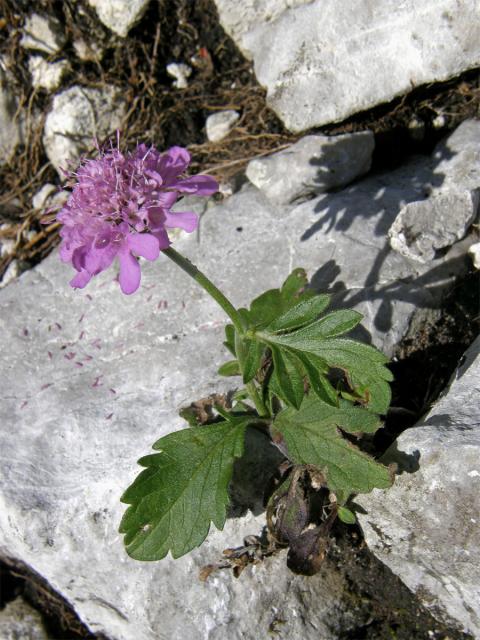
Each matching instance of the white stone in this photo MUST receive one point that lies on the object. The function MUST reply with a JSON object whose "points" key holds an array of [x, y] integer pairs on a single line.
{"points": [[43, 33], [323, 60], [87, 51], [423, 528], [219, 125], [181, 72], [314, 164], [77, 116], [46, 75], [11, 130], [92, 378], [20, 621], [422, 228], [119, 15], [474, 252], [39, 200]]}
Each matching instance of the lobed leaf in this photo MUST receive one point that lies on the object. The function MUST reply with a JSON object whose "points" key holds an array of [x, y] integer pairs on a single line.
{"points": [[288, 377], [305, 312], [312, 437], [182, 490]]}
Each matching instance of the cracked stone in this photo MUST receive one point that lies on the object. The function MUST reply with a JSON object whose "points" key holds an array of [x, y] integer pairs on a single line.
{"points": [[343, 58], [426, 528], [42, 33]]}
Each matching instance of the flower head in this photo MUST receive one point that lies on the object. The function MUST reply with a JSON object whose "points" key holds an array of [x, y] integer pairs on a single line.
{"points": [[121, 206]]}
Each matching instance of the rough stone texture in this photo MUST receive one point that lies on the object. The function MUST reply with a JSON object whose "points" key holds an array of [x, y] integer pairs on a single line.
{"points": [[46, 75], [324, 60], [19, 621], [314, 164], [219, 125], [42, 33], [92, 378], [427, 529], [424, 227], [119, 15], [10, 121], [77, 116]]}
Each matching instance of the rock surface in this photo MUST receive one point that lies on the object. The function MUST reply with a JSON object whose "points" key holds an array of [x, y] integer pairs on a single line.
{"points": [[343, 58], [119, 15], [427, 528], [43, 33], [19, 621], [92, 378], [77, 116], [424, 227], [46, 75], [219, 125], [314, 164]]}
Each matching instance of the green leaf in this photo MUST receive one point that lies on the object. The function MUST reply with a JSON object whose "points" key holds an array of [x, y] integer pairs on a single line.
{"points": [[312, 437], [316, 370], [287, 378], [364, 364], [305, 312], [346, 516], [230, 368], [230, 338], [252, 360], [182, 490], [294, 284]]}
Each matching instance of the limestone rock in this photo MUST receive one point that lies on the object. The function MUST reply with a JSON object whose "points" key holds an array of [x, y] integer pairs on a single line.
{"points": [[11, 129], [46, 75], [322, 60], [119, 15], [43, 33], [19, 621], [77, 116], [422, 228], [314, 164], [426, 527], [92, 378], [219, 125]]}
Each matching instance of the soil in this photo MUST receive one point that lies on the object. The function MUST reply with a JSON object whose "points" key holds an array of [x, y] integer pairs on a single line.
{"points": [[180, 30]]}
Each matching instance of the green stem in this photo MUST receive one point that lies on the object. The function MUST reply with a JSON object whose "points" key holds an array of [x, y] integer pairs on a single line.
{"points": [[209, 287], [226, 305]]}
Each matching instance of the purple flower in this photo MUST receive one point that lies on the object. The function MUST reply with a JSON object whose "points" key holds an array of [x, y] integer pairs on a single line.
{"points": [[120, 205]]}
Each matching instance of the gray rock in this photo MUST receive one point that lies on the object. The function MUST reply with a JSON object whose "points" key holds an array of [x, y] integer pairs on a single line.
{"points": [[88, 51], [43, 33], [92, 378], [422, 228], [46, 75], [314, 164], [11, 128], [119, 15], [426, 527], [77, 116], [219, 125], [19, 621], [322, 60]]}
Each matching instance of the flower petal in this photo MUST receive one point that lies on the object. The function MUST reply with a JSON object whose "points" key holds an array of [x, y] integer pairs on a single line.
{"points": [[81, 279], [162, 236], [186, 220], [200, 185], [144, 244], [129, 272]]}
